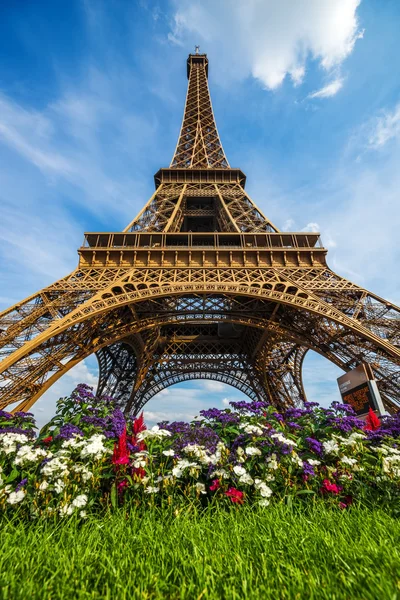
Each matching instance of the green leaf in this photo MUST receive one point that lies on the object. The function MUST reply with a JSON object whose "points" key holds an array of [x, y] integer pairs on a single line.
{"points": [[114, 496], [13, 475]]}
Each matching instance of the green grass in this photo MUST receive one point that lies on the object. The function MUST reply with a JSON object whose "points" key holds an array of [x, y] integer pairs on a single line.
{"points": [[274, 553]]}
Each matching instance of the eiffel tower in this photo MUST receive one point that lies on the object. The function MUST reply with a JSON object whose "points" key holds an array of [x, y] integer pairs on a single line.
{"points": [[199, 285]]}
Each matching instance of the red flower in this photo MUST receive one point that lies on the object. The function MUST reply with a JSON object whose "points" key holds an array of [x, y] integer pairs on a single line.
{"points": [[48, 439], [139, 472], [327, 486], [121, 454], [138, 425], [235, 495], [215, 485], [372, 422], [345, 503]]}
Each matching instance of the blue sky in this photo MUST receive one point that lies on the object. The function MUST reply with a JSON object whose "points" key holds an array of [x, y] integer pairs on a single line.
{"points": [[307, 100]]}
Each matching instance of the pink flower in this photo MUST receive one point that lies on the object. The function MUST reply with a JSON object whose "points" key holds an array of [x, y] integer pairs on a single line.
{"points": [[345, 503], [333, 488], [215, 485], [122, 485], [235, 495]]}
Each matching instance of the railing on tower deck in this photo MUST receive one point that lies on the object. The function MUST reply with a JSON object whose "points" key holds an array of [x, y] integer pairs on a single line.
{"points": [[246, 241]]}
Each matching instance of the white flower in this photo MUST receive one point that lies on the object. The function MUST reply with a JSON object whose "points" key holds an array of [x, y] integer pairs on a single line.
{"points": [[281, 438], [263, 502], [152, 490], [272, 462], [16, 497], [43, 486], [251, 429], [357, 435], [83, 514], [183, 464], [199, 452], [348, 461], [27, 454], [251, 451], [66, 510], [169, 452], [95, 447], [239, 470], [59, 486], [201, 488], [80, 501], [75, 442], [241, 457], [154, 432], [296, 459], [9, 441], [84, 471], [330, 447], [220, 473], [246, 478], [55, 467], [313, 462], [263, 488]]}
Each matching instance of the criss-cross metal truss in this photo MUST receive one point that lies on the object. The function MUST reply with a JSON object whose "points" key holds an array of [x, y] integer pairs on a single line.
{"points": [[199, 285]]}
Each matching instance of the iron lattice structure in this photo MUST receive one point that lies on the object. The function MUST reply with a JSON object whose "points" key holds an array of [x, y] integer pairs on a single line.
{"points": [[199, 285]]}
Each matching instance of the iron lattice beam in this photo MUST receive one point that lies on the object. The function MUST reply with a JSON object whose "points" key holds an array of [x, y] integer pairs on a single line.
{"points": [[163, 301]]}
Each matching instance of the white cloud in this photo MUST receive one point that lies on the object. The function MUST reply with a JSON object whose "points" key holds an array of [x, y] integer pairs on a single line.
{"points": [[328, 90], [213, 386], [314, 227], [288, 225], [384, 128], [267, 39]]}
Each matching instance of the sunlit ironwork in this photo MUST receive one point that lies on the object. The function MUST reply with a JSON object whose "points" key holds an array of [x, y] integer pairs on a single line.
{"points": [[199, 285]]}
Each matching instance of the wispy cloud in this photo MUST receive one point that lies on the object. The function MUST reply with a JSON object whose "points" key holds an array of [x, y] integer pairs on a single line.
{"points": [[384, 128], [329, 90]]}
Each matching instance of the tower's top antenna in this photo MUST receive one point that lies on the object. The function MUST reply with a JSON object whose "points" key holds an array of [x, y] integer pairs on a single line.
{"points": [[197, 49]]}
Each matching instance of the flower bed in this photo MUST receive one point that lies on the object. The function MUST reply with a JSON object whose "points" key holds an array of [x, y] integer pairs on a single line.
{"points": [[89, 457]]}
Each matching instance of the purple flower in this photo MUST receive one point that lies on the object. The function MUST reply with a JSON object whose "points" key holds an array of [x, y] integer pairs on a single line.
{"points": [[82, 393], [191, 433], [294, 425], [308, 469], [255, 407], [345, 424], [95, 421], [294, 413], [344, 408], [5, 415], [27, 432], [117, 423], [68, 431], [314, 445], [278, 416], [310, 404], [225, 417], [21, 484]]}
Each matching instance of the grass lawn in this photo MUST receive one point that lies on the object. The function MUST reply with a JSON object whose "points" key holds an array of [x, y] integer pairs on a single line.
{"points": [[275, 552]]}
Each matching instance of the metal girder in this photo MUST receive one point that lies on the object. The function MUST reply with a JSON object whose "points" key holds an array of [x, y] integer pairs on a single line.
{"points": [[199, 257]]}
